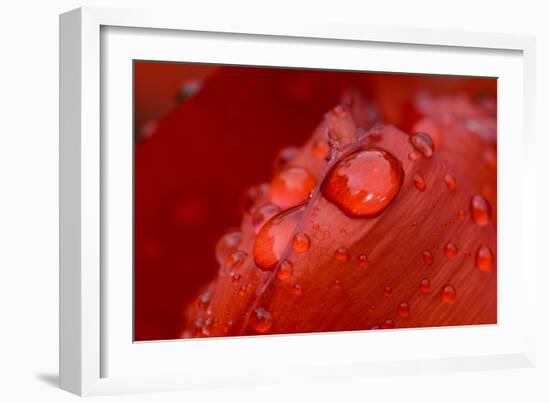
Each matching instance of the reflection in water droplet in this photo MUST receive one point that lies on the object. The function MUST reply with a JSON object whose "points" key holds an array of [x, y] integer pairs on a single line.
{"points": [[362, 260], [423, 143], [425, 286], [341, 254], [301, 242], [403, 309], [419, 183], [450, 181], [236, 259], [448, 294], [451, 250], [227, 244], [275, 236], [285, 270], [427, 258], [480, 210], [364, 183], [261, 320], [291, 186], [484, 259]]}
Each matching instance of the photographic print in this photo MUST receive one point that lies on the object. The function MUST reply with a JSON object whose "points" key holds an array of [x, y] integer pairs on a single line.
{"points": [[273, 200]]}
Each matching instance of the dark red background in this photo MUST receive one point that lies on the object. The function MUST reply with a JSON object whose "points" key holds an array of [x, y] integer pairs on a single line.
{"points": [[194, 159]]}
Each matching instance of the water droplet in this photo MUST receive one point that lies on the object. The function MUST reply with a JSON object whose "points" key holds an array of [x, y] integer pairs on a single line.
{"points": [[338, 285], [301, 242], [484, 259], [236, 259], [227, 244], [285, 270], [490, 157], [291, 186], [274, 237], [423, 143], [227, 326], [235, 278], [253, 195], [343, 232], [242, 290], [419, 183], [480, 210], [297, 289], [460, 215], [284, 156], [388, 324], [262, 214], [448, 294], [315, 228], [204, 299], [414, 156], [388, 291], [320, 149], [425, 286], [451, 251], [341, 254], [427, 258], [362, 260], [364, 183], [261, 320], [375, 327], [326, 235], [450, 181], [403, 309]]}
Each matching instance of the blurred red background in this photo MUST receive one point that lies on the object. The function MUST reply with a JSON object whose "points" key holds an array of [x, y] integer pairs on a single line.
{"points": [[205, 134]]}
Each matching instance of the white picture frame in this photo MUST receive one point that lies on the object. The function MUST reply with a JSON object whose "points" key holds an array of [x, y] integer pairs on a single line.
{"points": [[97, 353]]}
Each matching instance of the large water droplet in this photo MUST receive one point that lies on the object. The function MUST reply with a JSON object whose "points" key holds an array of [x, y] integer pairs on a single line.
{"points": [[423, 143], [261, 320], [274, 237], [481, 212], [419, 183], [291, 186], [262, 214], [301, 242], [484, 259], [227, 244], [364, 183], [403, 309], [341, 254], [285, 270], [448, 294], [451, 250]]}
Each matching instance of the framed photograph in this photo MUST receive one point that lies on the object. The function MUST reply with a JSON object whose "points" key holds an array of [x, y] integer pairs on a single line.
{"points": [[242, 202]]}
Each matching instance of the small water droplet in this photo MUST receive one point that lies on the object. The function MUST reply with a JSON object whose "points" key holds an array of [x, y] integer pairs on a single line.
{"points": [[320, 149], [388, 291], [490, 157], [427, 258], [262, 214], [419, 183], [388, 324], [261, 320], [450, 181], [291, 186], [341, 254], [253, 195], [236, 259], [326, 235], [460, 215], [343, 232], [338, 285], [285, 270], [284, 156], [484, 259], [227, 244], [297, 289], [315, 228], [375, 327], [274, 237], [403, 309], [301, 242], [480, 210], [364, 183], [414, 156], [204, 299], [448, 294], [242, 290], [227, 326], [423, 143], [451, 251], [425, 286], [362, 260], [235, 278]]}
